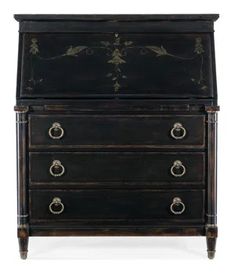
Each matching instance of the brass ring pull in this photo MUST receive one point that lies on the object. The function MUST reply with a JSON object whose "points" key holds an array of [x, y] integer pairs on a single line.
{"points": [[178, 169], [56, 131], [177, 206], [178, 131], [56, 203], [56, 169]]}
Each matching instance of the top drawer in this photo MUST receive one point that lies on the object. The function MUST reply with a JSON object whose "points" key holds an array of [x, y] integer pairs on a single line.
{"points": [[112, 131], [109, 64]]}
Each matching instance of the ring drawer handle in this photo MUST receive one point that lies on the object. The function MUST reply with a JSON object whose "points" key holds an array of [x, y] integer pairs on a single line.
{"points": [[177, 206], [56, 202], [56, 127], [56, 165], [178, 131], [177, 165]]}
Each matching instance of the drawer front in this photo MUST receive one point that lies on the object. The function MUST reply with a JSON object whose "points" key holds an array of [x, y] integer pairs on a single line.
{"points": [[109, 64], [116, 167], [173, 205], [92, 131]]}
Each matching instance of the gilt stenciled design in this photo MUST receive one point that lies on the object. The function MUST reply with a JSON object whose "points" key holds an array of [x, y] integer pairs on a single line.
{"points": [[34, 46], [74, 51], [198, 51], [116, 52], [33, 50], [161, 51], [71, 51]]}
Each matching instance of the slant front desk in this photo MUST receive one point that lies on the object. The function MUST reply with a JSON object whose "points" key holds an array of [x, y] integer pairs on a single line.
{"points": [[116, 126]]}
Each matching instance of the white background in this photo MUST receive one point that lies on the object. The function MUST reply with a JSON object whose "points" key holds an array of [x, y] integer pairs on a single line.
{"points": [[118, 258]]}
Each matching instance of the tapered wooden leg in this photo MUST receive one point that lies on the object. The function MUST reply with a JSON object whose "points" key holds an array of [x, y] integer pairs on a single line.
{"points": [[211, 243], [23, 238], [211, 236], [23, 245]]}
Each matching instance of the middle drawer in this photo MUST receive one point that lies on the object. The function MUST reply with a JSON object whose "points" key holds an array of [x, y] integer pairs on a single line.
{"points": [[93, 167]]}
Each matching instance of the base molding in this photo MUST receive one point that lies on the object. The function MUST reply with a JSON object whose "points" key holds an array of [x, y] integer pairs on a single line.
{"points": [[117, 231]]}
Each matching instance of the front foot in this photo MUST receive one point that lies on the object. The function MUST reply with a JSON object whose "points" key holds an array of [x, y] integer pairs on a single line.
{"points": [[23, 238], [23, 245], [211, 236], [211, 254], [23, 255]]}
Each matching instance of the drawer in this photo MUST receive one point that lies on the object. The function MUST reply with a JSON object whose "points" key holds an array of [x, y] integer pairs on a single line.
{"points": [[93, 167], [107, 205], [130, 131], [109, 64]]}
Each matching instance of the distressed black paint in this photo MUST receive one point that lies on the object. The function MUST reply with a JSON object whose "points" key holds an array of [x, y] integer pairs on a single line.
{"points": [[117, 85]]}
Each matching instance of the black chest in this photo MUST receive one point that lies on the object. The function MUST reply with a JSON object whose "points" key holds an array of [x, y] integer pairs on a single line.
{"points": [[116, 126]]}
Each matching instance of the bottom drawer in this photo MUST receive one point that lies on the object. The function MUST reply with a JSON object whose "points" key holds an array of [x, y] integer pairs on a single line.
{"points": [[117, 205]]}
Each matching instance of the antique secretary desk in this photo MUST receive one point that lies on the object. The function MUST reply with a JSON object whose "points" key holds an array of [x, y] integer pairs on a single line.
{"points": [[116, 126]]}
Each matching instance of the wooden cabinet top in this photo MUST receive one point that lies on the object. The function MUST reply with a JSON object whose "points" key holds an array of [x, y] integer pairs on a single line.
{"points": [[117, 17]]}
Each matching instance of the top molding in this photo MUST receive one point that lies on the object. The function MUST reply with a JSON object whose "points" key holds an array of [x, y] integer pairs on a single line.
{"points": [[116, 17]]}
